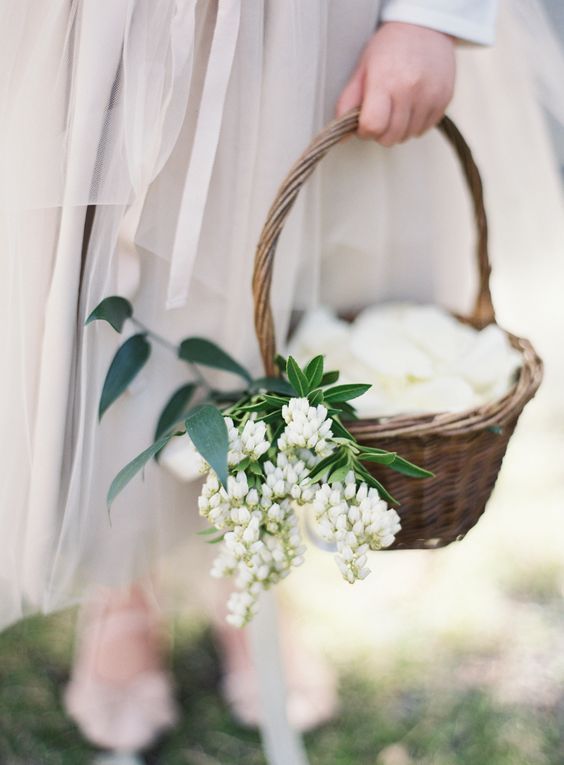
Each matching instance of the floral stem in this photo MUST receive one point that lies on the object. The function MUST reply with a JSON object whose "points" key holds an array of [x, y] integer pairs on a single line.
{"points": [[157, 338], [173, 349]]}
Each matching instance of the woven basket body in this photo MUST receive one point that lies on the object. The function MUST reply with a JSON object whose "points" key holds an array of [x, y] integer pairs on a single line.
{"points": [[464, 449]]}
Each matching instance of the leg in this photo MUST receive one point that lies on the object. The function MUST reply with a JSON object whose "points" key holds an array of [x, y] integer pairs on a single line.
{"points": [[119, 694]]}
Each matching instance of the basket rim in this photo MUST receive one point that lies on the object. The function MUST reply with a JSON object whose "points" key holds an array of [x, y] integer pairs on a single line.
{"points": [[493, 413]]}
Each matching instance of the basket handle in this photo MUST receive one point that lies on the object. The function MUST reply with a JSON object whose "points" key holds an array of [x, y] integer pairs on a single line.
{"points": [[334, 132]]}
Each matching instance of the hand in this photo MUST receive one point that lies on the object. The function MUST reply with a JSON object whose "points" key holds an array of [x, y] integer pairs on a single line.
{"points": [[403, 82]]}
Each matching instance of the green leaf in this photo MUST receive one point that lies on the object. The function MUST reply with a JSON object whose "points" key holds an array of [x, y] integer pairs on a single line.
{"points": [[198, 350], [281, 363], [244, 464], [329, 378], [340, 431], [362, 473], [255, 468], [314, 372], [401, 465], [258, 406], [340, 474], [273, 385], [276, 401], [380, 459], [126, 364], [175, 409], [207, 532], [347, 409], [296, 377], [216, 540], [315, 397], [115, 310], [226, 396], [277, 428], [207, 429], [328, 463], [271, 418], [132, 468], [345, 392], [340, 468]]}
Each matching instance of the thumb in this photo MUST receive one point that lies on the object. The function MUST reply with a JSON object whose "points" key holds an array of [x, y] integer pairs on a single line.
{"points": [[352, 94]]}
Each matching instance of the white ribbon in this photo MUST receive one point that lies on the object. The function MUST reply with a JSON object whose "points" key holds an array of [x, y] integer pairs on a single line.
{"points": [[281, 743], [204, 149]]}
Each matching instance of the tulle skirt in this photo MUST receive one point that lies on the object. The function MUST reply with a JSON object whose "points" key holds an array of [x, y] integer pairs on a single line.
{"points": [[152, 180]]}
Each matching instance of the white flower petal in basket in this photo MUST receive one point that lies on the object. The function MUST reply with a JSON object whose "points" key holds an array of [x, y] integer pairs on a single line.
{"points": [[320, 331], [374, 403], [181, 459], [437, 333], [443, 394], [380, 345], [496, 391], [393, 311], [490, 361]]}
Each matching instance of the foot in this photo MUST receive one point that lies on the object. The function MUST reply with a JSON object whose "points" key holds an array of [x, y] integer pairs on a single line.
{"points": [[119, 694]]}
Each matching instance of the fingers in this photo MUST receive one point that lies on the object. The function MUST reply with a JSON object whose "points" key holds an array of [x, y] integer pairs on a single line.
{"points": [[398, 128], [390, 118], [352, 94], [375, 114], [393, 112], [424, 119], [403, 83]]}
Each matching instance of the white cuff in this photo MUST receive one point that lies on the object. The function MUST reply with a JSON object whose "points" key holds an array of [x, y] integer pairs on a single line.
{"points": [[476, 25]]}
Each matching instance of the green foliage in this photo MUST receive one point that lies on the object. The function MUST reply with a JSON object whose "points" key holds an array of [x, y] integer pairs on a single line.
{"points": [[175, 409], [342, 393], [297, 377], [401, 465], [314, 372], [135, 466], [329, 378], [115, 310], [281, 363], [126, 364], [198, 350], [272, 384], [263, 398], [206, 427]]}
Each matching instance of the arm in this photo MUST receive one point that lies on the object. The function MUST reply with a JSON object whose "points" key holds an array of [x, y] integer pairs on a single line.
{"points": [[405, 77]]}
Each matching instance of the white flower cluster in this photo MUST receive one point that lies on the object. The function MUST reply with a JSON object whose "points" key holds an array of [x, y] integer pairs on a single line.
{"points": [[262, 540], [257, 511], [251, 442], [357, 520], [307, 427]]}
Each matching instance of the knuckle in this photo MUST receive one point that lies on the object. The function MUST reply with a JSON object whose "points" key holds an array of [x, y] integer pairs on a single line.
{"points": [[371, 125], [411, 82]]}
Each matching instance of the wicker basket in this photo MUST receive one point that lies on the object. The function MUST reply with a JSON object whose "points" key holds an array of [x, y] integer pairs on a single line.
{"points": [[464, 449]]}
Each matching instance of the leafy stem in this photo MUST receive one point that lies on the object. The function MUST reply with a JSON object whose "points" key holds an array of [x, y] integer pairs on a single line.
{"points": [[263, 399]]}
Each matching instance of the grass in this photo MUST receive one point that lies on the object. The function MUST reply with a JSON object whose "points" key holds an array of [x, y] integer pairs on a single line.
{"points": [[413, 711]]}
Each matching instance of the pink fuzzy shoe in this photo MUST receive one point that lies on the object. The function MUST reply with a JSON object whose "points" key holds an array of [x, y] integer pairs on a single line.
{"points": [[119, 694]]}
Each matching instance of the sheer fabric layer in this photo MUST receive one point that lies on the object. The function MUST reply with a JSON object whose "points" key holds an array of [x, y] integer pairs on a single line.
{"points": [[389, 224]]}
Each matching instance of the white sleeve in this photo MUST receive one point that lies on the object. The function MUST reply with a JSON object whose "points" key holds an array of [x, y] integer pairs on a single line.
{"points": [[469, 20]]}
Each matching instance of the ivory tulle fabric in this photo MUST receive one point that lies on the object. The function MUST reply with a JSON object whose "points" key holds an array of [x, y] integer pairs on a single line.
{"points": [[177, 121]]}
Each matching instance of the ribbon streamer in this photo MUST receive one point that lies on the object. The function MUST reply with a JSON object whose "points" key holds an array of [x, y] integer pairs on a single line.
{"points": [[202, 159], [282, 745]]}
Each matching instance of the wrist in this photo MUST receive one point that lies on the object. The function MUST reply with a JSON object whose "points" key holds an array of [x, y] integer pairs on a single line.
{"points": [[420, 29]]}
